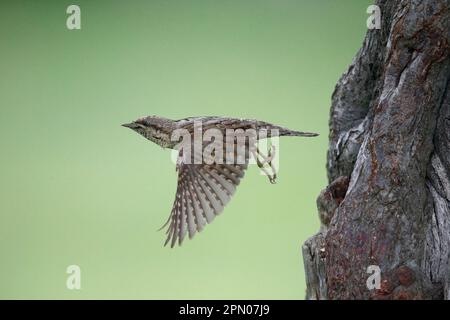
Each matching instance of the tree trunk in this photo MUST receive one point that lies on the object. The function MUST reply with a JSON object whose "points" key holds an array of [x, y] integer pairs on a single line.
{"points": [[388, 201]]}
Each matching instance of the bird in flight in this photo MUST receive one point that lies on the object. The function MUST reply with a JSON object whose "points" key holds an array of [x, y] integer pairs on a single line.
{"points": [[209, 169]]}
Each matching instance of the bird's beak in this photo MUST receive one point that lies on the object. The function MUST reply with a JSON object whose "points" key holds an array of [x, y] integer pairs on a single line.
{"points": [[129, 125]]}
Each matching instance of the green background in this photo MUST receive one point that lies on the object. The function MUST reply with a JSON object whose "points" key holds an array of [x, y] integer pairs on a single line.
{"points": [[76, 188]]}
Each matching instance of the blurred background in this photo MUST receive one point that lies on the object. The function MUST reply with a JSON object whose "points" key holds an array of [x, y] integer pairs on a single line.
{"points": [[76, 188]]}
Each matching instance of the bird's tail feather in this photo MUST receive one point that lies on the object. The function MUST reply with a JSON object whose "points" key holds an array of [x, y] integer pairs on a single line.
{"points": [[293, 133]]}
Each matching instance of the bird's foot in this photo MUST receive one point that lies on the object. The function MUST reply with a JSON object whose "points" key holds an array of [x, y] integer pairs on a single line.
{"points": [[266, 160]]}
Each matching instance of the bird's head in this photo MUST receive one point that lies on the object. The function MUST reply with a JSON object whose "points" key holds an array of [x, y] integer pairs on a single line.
{"points": [[153, 128]]}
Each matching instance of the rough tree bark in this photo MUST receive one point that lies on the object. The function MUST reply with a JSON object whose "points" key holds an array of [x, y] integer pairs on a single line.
{"points": [[388, 201]]}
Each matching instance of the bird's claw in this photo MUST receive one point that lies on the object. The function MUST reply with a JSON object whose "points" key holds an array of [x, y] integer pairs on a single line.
{"points": [[266, 160]]}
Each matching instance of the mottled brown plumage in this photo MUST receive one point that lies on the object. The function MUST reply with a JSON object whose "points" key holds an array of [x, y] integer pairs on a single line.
{"points": [[205, 188]]}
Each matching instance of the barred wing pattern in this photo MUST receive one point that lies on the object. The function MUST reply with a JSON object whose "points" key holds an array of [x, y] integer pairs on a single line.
{"points": [[203, 191]]}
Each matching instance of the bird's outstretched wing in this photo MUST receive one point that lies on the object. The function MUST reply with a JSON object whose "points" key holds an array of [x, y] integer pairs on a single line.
{"points": [[202, 193]]}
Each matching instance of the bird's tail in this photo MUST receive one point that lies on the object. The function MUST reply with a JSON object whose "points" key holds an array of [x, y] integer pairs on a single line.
{"points": [[293, 133], [282, 131]]}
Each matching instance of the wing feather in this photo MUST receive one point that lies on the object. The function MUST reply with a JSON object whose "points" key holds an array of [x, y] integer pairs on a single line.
{"points": [[200, 219], [192, 224], [202, 193]]}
